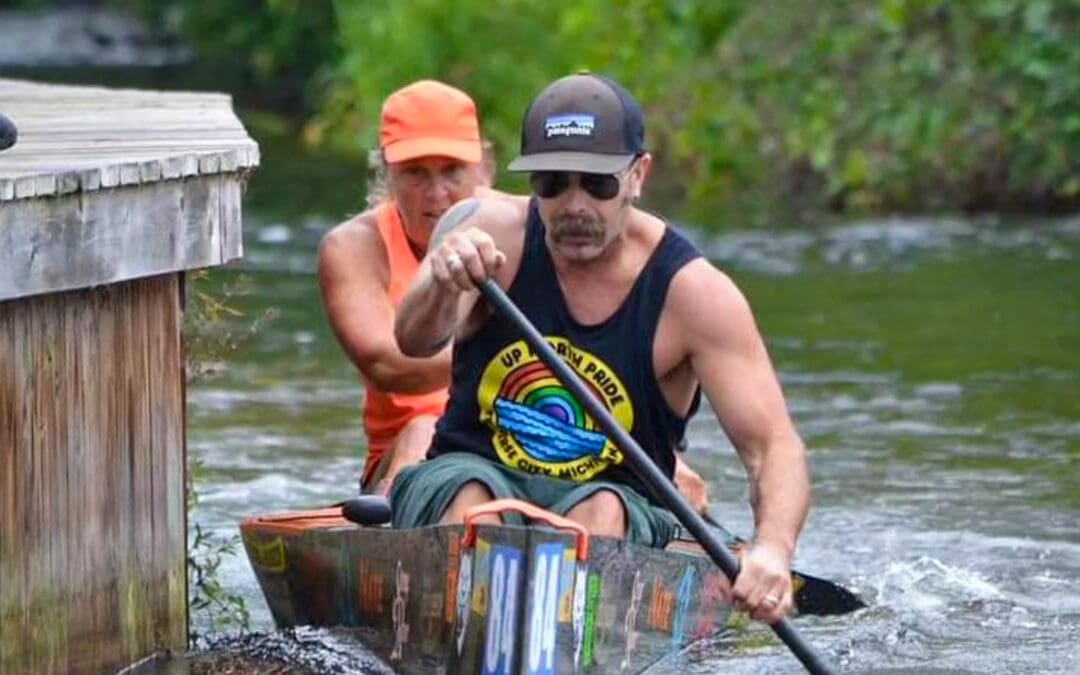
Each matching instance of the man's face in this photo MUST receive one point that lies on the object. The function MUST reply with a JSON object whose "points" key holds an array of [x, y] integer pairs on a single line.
{"points": [[583, 213], [425, 187]]}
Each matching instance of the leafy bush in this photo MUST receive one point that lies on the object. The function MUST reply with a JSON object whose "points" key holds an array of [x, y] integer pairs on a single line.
{"points": [[758, 112], [210, 336], [282, 49], [854, 106]]}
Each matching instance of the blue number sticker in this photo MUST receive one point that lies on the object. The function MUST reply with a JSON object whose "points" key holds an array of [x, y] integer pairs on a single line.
{"points": [[502, 610], [544, 621]]}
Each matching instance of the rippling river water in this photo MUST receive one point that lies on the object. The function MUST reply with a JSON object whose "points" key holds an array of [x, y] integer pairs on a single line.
{"points": [[932, 366]]}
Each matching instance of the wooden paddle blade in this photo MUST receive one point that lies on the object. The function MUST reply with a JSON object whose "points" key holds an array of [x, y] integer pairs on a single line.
{"points": [[821, 597]]}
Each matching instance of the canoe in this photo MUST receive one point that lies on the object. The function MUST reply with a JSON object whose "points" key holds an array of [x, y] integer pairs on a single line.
{"points": [[487, 599]]}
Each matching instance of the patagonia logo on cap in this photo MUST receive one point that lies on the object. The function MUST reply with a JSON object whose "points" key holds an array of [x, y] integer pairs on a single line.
{"points": [[583, 123], [569, 125]]}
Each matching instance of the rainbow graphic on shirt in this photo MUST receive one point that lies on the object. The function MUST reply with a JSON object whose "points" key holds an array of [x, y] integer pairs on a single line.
{"points": [[537, 425]]}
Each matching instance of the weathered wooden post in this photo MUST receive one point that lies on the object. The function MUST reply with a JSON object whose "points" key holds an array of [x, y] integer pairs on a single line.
{"points": [[107, 198]]}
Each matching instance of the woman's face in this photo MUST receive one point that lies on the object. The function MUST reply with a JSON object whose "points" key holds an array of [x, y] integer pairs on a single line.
{"points": [[425, 187]]}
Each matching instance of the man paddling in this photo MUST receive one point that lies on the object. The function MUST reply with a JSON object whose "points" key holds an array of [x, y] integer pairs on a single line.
{"points": [[429, 137], [633, 308]]}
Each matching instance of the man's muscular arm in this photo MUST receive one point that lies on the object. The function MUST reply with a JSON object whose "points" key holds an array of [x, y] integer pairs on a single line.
{"points": [[728, 356], [430, 311], [444, 294]]}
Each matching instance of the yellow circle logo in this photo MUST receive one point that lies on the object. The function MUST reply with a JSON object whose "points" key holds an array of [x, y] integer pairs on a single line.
{"points": [[537, 425]]}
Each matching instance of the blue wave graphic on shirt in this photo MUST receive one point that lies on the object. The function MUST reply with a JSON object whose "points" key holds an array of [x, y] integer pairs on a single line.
{"points": [[544, 437]]}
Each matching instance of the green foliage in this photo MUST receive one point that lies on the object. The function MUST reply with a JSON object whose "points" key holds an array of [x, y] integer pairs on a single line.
{"points": [[282, 48], [215, 606], [210, 333], [209, 337], [917, 103], [855, 105], [211, 606], [757, 112], [503, 52]]}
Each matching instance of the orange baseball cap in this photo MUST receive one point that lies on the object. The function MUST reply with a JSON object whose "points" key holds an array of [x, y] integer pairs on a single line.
{"points": [[429, 118]]}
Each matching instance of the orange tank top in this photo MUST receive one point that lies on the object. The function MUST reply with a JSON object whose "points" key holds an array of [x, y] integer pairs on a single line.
{"points": [[386, 414]]}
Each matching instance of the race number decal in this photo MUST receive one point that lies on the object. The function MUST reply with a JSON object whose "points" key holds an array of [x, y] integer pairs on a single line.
{"points": [[502, 610], [544, 619]]}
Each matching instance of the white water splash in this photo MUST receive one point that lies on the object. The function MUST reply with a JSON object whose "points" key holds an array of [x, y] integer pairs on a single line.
{"points": [[887, 243], [928, 583]]}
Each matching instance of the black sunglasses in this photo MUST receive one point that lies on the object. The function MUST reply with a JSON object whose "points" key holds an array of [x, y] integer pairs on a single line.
{"points": [[548, 184]]}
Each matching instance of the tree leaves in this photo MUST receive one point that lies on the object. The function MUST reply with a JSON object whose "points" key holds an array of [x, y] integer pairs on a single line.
{"points": [[880, 104]]}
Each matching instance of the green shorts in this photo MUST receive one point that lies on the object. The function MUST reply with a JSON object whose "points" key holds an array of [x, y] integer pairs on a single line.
{"points": [[422, 492]]}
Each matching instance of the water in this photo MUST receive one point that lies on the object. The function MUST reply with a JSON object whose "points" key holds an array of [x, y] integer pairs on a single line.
{"points": [[932, 366]]}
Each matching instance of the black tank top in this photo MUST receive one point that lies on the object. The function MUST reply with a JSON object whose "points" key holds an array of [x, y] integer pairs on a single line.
{"points": [[506, 405]]}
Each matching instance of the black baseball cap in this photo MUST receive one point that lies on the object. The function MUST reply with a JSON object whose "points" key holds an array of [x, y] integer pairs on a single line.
{"points": [[586, 123]]}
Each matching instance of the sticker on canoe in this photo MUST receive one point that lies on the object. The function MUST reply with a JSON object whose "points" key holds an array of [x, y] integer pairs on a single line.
{"points": [[369, 584], [267, 556], [537, 425], [682, 605], [480, 583], [452, 565], [543, 621], [715, 594], [566, 583], [504, 577], [630, 620], [592, 601], [431, 617], [397, 611], [661, 606]]}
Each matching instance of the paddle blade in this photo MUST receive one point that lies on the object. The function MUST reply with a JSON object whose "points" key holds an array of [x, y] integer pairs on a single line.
{"points": [[821, 597], [367, 510]]}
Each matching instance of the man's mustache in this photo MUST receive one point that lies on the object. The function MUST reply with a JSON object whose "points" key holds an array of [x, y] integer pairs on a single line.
{"points": [[576, 226]]}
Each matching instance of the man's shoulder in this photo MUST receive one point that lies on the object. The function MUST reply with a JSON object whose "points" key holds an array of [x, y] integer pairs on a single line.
{"points": [[701, 294], [492, 211], [504, 206], [500, 211], [699, 276], [504, 216]]}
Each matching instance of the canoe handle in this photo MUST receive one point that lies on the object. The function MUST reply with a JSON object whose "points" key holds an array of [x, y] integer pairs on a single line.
{"points": [[530, 511]]}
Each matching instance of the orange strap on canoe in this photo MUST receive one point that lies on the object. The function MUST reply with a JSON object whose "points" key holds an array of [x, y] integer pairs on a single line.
{"points": [[528, 510]]}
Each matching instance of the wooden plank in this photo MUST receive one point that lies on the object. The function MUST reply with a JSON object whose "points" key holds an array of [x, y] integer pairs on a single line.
{"points": [[92, 529], [82, 240], [81, 139]]}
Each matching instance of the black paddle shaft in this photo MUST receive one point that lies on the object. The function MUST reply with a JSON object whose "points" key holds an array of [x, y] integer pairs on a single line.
{"points": [[645, 468]]}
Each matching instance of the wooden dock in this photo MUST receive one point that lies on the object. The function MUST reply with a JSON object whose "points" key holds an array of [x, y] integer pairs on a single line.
{"points": [[107, 199]]}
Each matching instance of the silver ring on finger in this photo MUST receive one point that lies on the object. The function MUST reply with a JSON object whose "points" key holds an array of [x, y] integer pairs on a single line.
{"points": [[453, 261], [770, 600]]}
